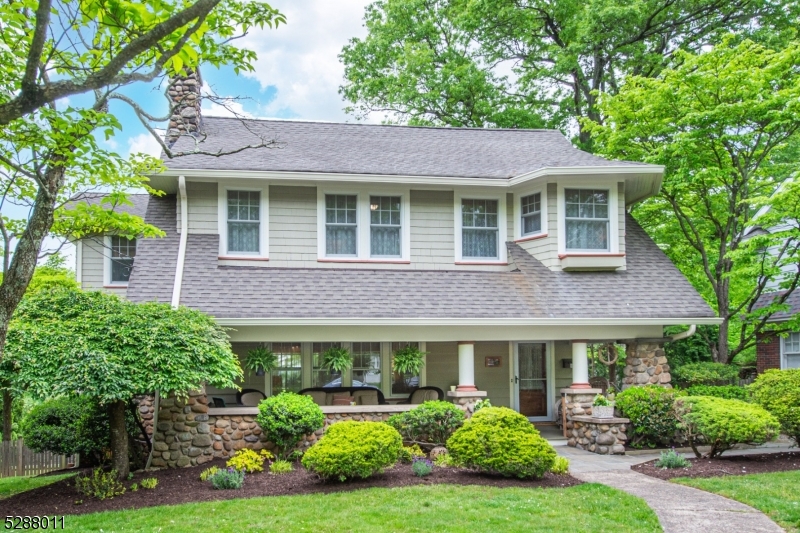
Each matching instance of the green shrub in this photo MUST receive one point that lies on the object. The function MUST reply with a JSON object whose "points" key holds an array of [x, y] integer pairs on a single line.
{"points": [[650, 410], [354, 450], [249, 461], [208, 472], [408, 453], [280, 467], [672, 459], [149, 483], [444, 460], [722, 423], [287, 418], [729, 392], [134, 487], [778, 391], [100, 485], [560, 466], [228, 479], [706, 374], [480, 404], [501, 441], [432, 422], [421, 466]]}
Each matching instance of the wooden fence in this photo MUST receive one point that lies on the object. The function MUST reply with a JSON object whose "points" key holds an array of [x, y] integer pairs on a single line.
{"points": [[16, 459]]}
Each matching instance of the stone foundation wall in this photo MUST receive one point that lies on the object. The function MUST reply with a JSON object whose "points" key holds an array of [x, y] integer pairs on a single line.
{"points": [[599, 435], [466, 400], [646, 364], [186, 435]]}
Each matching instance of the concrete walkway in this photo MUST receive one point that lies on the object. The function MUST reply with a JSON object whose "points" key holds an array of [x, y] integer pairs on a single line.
{"points": [[680, 509]]}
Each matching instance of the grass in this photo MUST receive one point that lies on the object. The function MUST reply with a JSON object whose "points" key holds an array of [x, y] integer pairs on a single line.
{"points": [[14, 485], [775, 494], [451, 508]]}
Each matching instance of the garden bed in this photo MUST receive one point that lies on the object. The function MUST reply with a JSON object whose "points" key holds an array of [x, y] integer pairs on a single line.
{"points": [[183, 485], [733, 465]]}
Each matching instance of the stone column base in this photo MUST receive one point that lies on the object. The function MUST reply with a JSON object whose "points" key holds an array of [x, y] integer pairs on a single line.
{"points": [[466, 400], [599, 435]]}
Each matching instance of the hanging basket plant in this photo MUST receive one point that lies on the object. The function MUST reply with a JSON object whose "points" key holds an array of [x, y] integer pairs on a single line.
{"points": [[409, 360], [261, 360], [337, 359]]}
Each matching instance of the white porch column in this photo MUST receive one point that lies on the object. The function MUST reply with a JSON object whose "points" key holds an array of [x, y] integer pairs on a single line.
{"points": [[466, 366], [580, 366]]}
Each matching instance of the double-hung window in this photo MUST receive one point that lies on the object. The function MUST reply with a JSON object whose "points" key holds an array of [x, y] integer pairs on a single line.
{"points": [[288, 375], [123, 252], [586, 219], [321, 376], [385, 226], [531, 213], [367, 364], [479, 229], [341, 225], [244, 222], [791, 350]]}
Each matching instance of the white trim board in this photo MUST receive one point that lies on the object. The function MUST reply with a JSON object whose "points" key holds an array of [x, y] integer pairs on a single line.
{"points": [[466, 321]]}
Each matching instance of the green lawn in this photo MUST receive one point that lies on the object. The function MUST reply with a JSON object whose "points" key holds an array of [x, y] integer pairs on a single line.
{"points": [[589, 508], [777, 495], [13, 485]]}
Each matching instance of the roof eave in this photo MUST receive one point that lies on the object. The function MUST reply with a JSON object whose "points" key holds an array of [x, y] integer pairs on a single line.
{"points": [[325, 321]]}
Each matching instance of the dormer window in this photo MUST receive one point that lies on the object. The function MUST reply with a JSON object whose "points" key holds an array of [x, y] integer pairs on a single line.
{"points": [[531, 213], [586, 219]]}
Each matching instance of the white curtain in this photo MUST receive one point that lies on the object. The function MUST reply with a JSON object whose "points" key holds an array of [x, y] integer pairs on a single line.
{"points": [[244, 221], [479, 228]]}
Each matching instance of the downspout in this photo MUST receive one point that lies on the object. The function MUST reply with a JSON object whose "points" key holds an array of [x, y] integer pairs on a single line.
{"points": [[176, 292], [684, 334]]}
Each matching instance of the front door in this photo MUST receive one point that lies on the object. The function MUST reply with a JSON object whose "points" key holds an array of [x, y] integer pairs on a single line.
{"points": [[532, 379]]}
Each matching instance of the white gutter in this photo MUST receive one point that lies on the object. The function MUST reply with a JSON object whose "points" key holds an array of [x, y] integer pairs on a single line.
{"points": [[176, 287], [465, 321], [684, 334]]}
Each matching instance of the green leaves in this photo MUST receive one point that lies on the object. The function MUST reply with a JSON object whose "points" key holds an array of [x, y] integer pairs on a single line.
{"points": [[337, 359]]}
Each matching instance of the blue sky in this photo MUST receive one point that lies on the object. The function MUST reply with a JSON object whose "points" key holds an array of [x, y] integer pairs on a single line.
{"points": [[297, 76]]}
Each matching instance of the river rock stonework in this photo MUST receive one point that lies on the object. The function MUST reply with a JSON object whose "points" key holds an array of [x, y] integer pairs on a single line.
{"points": [[599, 435], [646, 364]]}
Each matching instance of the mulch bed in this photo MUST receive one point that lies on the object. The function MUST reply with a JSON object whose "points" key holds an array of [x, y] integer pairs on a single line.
{"points": [[183, 485], [733, 465]]}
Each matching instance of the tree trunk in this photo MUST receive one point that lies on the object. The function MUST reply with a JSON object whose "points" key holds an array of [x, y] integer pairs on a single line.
{"points": [[119, 439], [7, 419]]}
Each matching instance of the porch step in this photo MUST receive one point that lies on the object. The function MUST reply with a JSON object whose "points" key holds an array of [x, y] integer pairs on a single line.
{"points": [[552, 434]]}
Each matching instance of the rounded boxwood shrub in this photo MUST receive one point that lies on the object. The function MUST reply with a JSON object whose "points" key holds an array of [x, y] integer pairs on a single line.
{"points": [[729, 392], [722, 423], [432, 422], [498, 440], [778, 391], [650, 410], [706, 374], [354, 450], [288, 417]]}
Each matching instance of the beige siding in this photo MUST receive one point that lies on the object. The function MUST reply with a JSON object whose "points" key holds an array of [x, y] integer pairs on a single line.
{"points": [[510, 216], [562, 350], [621, 214], [432, 240], [441, 364], [292, 226], [202, 201], [93, 259], [546, 248], [494, 380]]}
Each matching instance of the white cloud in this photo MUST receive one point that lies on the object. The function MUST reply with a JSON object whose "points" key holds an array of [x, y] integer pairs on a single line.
{"points": [[230, 108], [144, 143], [301, 57]]}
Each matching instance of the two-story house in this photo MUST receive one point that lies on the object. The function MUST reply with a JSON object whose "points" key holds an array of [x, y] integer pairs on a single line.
{"points": [[501, 253]]}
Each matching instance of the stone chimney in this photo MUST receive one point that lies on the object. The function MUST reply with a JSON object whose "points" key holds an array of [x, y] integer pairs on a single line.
{"points": [[184, 98]]}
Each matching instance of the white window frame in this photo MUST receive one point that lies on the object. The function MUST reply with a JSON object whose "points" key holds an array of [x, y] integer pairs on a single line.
{"points": [[785, 354], [263, 223], [363, 232], [502, 223], [107, 283], [518, 196], [613, 217]]}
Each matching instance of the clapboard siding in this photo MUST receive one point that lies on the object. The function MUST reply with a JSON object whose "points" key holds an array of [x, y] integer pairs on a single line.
{"points": [[621, 214], [432, 232], [494, 380], [202, 200], [292, 226], [93, 256]]}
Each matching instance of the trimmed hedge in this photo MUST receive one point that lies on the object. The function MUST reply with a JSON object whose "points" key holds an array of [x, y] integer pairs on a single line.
{"points": [[706, 374], [650, 410], [354, 450], [432, 422], [723, 423], [729, 392], [498, 440], [778, 391], [288, 417]]}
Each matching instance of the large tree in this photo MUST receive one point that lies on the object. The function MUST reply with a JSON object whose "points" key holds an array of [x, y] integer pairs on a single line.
{"points": [[524, 63], [93, 344], [65, 65], [726, 126]]}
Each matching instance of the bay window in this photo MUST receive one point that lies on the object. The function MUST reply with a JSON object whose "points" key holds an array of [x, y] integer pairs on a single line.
{"points": [[531, 214], [586, 219]]}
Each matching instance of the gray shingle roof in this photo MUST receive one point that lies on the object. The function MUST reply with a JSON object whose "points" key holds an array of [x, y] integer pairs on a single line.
{"points": [[651, 287], [139, 201], [378, 149], [793, 301]]}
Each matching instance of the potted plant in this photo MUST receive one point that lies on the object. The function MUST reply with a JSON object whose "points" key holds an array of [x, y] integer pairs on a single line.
{"points": [[602, 408], [337, 359], [261, 360], [409, 360]]}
